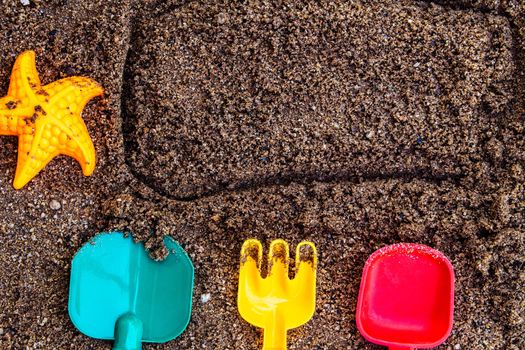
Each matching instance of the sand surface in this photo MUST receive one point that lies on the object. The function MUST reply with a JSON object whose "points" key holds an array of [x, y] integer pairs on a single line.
{"points": [[352, 124]]}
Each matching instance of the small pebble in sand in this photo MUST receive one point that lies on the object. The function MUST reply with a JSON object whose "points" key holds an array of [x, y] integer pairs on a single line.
{"points": [[457, 347], [205, 298], [25, 2], [222, 18], [55, 205]]}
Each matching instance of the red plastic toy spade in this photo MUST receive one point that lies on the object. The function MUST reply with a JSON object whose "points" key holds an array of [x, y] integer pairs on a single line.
{"points": [[406, 299]]}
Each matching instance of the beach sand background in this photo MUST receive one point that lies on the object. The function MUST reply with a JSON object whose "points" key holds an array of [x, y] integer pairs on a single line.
{"points": [[353, 124]]}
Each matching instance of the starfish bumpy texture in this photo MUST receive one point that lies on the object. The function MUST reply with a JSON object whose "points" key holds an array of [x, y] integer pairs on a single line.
{"points": [[46, 119]]}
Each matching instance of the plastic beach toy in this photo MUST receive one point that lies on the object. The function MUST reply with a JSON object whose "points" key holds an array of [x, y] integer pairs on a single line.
{"points": [[406, 299], [118, 292], [46, 119], [276, 303]]}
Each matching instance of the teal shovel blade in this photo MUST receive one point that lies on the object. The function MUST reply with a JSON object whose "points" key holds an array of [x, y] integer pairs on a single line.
{"points": [[118, 292]]}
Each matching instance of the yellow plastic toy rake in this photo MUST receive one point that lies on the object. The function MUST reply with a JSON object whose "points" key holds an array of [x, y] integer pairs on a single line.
{"points": [[276, 303]]}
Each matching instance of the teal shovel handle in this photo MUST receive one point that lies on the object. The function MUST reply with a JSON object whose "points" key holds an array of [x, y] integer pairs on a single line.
{"points": [[128, 333]]}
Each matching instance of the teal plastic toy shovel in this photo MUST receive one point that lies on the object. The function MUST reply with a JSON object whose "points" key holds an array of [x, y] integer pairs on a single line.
{"points": [[118, 292]]}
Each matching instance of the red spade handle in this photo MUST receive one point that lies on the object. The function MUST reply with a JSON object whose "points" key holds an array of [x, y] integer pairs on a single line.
{"points": [[400, 348]]}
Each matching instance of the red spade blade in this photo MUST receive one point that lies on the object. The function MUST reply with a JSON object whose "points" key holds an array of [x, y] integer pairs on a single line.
{"points": [[406, 299]]}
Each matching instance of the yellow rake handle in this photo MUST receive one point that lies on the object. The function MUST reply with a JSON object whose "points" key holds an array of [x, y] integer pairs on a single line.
{"points": [[275, 334]]}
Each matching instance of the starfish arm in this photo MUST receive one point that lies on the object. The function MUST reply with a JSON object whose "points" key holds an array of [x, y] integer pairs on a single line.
{"points": [[12, 106], [78, 145], [27, 164], [8, 118], [73, 93], [36, 148], [24, 77]]}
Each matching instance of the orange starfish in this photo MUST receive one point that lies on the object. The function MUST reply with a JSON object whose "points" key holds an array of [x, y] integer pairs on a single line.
{"points": [[46, 119]]}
